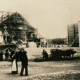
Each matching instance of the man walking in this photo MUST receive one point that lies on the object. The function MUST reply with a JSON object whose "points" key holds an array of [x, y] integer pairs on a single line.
{"points": [[24, 62]]}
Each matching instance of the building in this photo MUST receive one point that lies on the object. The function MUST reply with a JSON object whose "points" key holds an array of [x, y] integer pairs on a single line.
{"points": [[15, 28], [73, 35]]}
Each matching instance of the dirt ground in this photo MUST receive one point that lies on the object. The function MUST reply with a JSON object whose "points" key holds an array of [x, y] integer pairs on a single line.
{"points": [[50, 70]]}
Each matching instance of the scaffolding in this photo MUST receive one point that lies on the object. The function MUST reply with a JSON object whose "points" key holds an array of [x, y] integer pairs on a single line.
{"points": [[17, 21]]}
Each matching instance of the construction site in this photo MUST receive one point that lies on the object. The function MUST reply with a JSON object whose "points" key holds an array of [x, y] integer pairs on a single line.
{"points": [[15, 30], [74, 35]]}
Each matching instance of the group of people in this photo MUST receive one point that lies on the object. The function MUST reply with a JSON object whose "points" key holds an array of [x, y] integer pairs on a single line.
{"points": [[6, 56], [20, 55]]}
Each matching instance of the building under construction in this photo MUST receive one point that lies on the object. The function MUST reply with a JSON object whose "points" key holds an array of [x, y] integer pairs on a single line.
{"points": [[14, 29], [74, 35]]}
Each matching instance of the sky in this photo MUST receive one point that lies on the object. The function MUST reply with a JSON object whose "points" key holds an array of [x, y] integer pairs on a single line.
{"points": [[50, 17]]}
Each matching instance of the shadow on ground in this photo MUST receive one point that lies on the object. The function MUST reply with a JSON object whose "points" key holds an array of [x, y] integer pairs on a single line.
{"points": [[42, 60]]}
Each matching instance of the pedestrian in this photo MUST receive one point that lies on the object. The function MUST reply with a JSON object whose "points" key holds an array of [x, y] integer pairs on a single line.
{"points": [[1, 55], [14, 57], [6, 54], [45, 55], [24, 62], [22, 56]]}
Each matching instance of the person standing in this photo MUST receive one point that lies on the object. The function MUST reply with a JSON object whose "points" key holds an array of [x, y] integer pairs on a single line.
{"points": [[1, 55], [45, 55], [24, 62], [6, 54], [14, 57]]}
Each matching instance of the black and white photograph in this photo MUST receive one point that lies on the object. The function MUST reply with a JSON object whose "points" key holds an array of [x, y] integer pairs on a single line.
{"points": [[39, 39]]}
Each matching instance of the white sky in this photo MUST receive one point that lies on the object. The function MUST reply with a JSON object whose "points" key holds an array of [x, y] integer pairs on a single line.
{"points": [[50, 17]]}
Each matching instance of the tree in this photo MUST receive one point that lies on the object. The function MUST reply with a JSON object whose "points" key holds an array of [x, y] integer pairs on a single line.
{"points": [[56, 41]]}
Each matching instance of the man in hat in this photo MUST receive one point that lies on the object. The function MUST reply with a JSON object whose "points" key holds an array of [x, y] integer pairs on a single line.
{"points": [[24, 62]]}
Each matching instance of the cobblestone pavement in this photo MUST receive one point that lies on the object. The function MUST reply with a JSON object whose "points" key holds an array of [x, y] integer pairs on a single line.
{"points": [[51, 70]]}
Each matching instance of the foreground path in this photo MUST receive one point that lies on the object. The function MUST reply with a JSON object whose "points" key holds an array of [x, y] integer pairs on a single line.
{"points": [[44, 70]]}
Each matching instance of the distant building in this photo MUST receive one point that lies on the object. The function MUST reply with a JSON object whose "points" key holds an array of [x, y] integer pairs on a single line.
{"points": [[16, 28], [73, 35]]}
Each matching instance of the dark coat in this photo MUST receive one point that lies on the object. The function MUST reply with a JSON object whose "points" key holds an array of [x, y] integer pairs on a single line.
{"points": [[23, 56]]}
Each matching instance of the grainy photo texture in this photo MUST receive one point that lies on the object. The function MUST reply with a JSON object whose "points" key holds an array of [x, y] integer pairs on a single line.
{"points": [[39, 39]]}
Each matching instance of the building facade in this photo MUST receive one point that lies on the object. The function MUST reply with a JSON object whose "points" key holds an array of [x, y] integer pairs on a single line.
{"points": [[73, 35]]}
